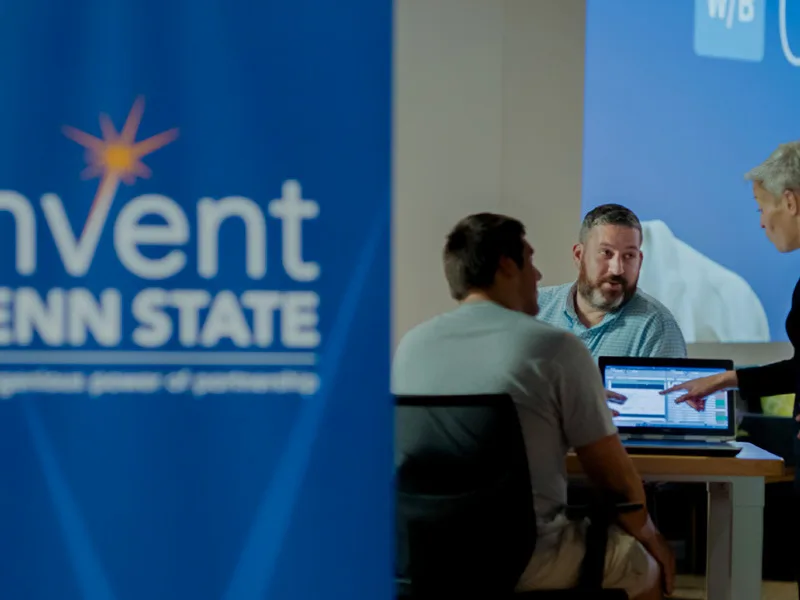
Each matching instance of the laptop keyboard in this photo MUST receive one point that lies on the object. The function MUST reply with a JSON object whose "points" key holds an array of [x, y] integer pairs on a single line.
{"points": [[678, 447]]}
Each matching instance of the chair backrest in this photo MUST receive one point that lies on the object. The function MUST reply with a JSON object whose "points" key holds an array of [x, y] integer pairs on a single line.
{"points": [[464, 507]]}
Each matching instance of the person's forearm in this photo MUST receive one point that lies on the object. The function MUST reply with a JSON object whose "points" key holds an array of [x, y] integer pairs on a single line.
{"points": [[729, 379], [639, 525], [625, 482], [613, 475]]}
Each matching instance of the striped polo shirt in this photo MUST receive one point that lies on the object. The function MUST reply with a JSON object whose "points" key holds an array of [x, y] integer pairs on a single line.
{"points": [[641, 327]]}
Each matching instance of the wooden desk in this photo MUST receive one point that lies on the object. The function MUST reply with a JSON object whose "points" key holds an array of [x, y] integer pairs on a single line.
{"points": [[752, 461], [736, 511], [787, 477]]}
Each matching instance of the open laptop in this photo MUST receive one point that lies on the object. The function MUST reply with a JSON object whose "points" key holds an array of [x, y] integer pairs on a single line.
{"points": [[650, 423]]}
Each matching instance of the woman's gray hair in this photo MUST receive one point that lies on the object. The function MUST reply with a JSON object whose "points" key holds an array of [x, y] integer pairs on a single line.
{"points": [[780, 172]]}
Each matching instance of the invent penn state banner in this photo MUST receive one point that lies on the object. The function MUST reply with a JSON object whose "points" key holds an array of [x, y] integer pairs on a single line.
{"points": [[194, 299]]}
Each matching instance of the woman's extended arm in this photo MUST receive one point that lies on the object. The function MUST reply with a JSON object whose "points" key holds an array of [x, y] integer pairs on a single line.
{"points": [[770, 380]]}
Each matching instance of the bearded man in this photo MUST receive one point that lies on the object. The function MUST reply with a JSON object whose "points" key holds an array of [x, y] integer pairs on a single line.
{"points": [[603, 307]]}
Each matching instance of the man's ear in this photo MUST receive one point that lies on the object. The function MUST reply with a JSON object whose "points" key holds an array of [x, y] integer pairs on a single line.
{"points": [[507, 267], [790, 199], [577, 254]]}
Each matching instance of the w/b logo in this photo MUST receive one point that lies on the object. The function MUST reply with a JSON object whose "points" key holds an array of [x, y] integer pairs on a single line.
{"points": [[732, 29]]}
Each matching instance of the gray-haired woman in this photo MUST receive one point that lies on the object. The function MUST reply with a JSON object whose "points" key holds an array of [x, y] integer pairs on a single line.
{"points": [[776, 187]]}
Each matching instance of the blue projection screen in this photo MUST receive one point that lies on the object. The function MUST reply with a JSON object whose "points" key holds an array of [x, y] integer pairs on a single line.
{"points": [[683, 98]]}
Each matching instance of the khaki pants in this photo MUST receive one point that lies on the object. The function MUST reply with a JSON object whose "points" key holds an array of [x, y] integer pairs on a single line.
{"points": [[559, 552]]}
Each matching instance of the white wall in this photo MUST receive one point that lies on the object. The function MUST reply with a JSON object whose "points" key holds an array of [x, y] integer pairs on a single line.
{"points": [[487, 116]]}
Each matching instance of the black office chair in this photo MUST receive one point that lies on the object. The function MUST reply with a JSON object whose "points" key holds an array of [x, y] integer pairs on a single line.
{"points": [[466, 526]]}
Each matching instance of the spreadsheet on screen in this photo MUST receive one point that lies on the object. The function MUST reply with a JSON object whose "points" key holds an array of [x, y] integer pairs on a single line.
{"points": [[645, 406]]}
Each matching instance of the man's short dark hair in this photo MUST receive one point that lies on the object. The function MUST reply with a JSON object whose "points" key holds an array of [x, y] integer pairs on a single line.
{"points": [[474, 248], [608, 214]]}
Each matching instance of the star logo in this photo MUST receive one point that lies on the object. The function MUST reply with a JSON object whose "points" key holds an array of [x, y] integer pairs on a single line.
{"points": [[117, 156]]}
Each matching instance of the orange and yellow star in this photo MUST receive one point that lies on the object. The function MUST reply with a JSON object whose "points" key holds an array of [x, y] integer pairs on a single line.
{"points": [[117, 156]]}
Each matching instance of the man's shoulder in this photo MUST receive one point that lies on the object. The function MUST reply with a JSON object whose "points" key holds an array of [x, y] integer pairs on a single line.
{"points": [[495, 348], [532, 334], [537, 341], [541, 333], [522, 333], [646, 306], [415, 348], [421, 331], [552, 299], [555, 291]]}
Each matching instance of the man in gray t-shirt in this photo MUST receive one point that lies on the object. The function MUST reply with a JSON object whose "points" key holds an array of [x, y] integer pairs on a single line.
{"points": [[491, 343], [482, 347]]}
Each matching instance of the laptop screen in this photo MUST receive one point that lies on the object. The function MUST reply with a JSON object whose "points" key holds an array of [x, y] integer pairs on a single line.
{"points": [[645, 409]]}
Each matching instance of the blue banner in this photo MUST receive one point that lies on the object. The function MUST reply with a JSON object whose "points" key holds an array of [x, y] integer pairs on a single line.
{"points": [[194, 300]]}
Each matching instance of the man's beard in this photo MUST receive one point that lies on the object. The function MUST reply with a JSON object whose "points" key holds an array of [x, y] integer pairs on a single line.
{"points": [[592, 292]]}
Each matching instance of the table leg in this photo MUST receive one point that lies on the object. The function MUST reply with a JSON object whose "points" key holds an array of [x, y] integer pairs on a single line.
{"points": [[735, 539]]}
